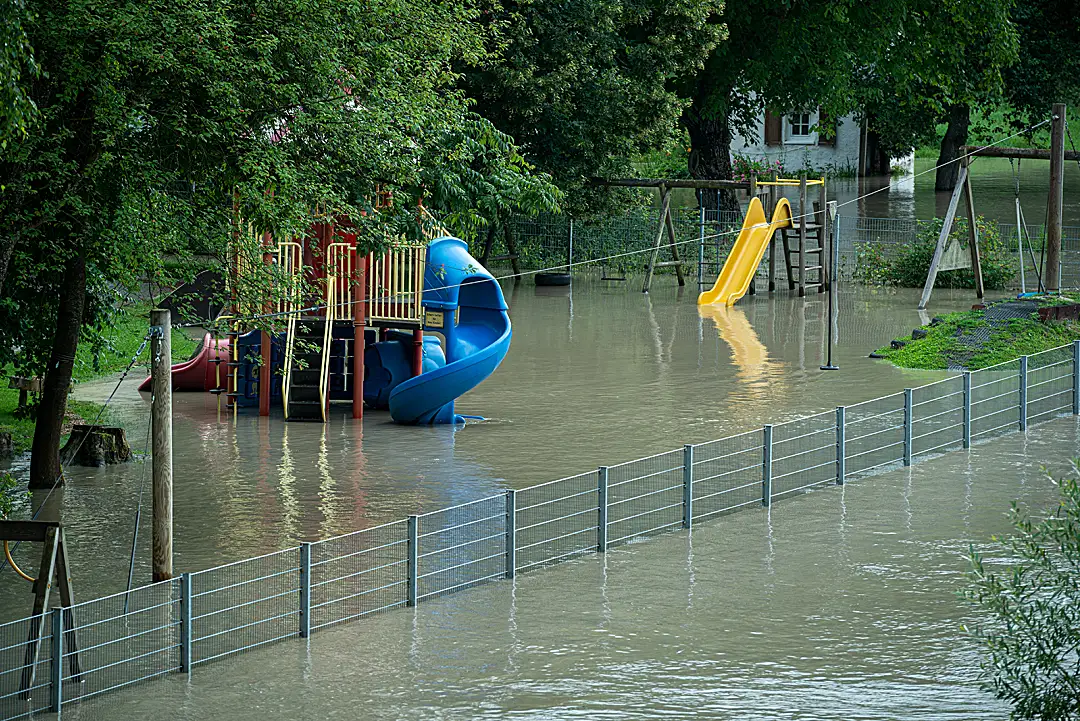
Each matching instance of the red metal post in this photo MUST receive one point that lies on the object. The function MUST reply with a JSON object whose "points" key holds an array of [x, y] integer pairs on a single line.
{"points": [[418, 352], [265, 374], [359, 322]]}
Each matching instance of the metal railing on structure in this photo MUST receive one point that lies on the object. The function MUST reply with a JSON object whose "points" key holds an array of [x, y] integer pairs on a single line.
{"points": [[395, 283], [175, 625], [547, 240]]}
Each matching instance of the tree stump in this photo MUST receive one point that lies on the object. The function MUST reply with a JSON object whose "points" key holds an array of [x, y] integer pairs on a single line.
{"points": [[95, 446], [7, 446]]}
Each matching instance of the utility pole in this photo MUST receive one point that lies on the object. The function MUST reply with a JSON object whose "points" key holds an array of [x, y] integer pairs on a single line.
{"points": [[161, 432], [1052, 272]]}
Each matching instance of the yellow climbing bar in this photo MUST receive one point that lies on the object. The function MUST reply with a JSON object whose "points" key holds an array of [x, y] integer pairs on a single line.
{"points": [[787, 182]]}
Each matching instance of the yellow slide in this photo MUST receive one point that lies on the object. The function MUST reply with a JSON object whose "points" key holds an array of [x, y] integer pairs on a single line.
{"points": [[746, 254]]}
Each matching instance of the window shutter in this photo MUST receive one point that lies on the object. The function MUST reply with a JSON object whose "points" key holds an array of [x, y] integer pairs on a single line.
{"points": [[773, 129], [826, 123]]}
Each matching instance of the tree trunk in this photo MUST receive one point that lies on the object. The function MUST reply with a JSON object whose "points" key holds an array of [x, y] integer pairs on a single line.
{"points": [[955, 136], [45, 452], [710, 158]]}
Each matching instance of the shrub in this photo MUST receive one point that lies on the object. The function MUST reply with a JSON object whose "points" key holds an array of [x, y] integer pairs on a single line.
{"points": [[743, 166], [909, 264]]}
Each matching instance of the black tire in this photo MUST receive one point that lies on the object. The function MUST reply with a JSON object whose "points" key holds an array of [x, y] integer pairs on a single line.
{"points": [[550, 279]]}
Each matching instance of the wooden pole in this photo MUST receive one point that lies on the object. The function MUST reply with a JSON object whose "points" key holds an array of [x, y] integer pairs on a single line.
{"points": [[973, 235], [823, 234], [665, 204], [772, 243], [161, 422], [1052, 270], [943, 237]]}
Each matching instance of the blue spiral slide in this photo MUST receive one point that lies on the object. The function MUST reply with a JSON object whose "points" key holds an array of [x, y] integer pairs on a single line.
{"points": [[464, 304]]}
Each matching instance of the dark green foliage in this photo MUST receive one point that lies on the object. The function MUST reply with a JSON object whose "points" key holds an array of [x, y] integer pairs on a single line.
{"points": [[1030, 610], [17, 69], [909, 264], [585, 85]]}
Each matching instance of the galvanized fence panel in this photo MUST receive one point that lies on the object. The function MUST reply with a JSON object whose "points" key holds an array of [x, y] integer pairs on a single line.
{"points": [[556, 520], [995, 400], [244, 604], [875, 435], [727, 474], [645, 496], [122, 639], [461, 546], [359, 573], [937, 423], [803, 454], [166, 627], [25, 686], [1050, 384]]}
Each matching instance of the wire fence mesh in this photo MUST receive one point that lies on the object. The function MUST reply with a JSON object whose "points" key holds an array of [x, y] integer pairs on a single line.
{"points": [[25, 680], [118, 640], [359, 573]]}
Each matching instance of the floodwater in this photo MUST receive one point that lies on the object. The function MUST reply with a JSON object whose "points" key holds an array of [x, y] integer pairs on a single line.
{"points": [[839, 604], [912, 196]]}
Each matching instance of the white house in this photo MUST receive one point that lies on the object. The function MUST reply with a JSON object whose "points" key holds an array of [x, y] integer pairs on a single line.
{"points": [[793, 138]]}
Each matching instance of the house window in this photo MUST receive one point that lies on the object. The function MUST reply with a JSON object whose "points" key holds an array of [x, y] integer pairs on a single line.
{"points": [[797, 127]]}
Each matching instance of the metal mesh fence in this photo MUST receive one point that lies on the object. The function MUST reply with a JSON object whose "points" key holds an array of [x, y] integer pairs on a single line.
{"points": [[995, 400], [25, 682], [122, 639], [727, 474], [359, 573], [556, 520], [461, 546], [874, 438], [645, 496], [804, 454], [244, 604], [119, 640]]}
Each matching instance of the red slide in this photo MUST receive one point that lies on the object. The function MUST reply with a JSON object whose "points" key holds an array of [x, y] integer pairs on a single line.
{"points": [[200, 372]]}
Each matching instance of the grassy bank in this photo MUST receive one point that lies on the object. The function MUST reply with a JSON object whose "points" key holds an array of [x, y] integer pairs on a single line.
{"points": [[118, 345], [989, 125], [969, 340]]}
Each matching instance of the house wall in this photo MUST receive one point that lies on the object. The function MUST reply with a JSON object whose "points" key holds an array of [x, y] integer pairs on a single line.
{"points": [[797, 153]]}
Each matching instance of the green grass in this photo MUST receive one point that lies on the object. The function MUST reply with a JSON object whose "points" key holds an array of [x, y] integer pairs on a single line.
{"points": [[943, 347], [121, 342], [991, 125]]}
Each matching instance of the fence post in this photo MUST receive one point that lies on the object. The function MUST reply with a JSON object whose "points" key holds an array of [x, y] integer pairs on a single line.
{"points": [[305, 590], [907, 426], [511, 532], [688, 485], [766, 467], [414, 543], [601, 509], [570, 249], [185, 623], [56, 672], [841, 444], [1076, 377], [701, 247], [1023, 392], [967, 409]]}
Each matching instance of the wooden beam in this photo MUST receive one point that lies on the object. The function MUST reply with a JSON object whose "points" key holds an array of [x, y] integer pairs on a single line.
{"points": [[662, 183], [26, 531], [943, 237], [1022, 153], [674, 250], [973, 237], [665, 206]]}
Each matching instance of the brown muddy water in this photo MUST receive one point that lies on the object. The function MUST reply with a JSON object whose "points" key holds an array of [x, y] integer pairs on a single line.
{"points": [[841, 604]]}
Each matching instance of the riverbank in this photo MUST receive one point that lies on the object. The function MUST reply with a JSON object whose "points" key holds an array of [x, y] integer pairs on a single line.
{"points": [[983, 337]]}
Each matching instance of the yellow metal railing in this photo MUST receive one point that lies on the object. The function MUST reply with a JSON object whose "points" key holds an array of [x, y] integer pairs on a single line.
{"points": [[395, 283], [339, 297], [290, 260]]}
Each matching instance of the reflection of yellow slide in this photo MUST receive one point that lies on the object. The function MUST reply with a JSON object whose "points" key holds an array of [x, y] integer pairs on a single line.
{"points": [[746, 254], [749, 353]]}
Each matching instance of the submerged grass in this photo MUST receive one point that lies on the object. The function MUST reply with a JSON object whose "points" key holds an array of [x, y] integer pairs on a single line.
{"points": [[107, 358], [969, 340]]}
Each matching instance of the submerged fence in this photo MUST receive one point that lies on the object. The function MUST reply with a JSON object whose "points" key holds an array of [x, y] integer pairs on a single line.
{"points": [[706, 238], [173, 626]]}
